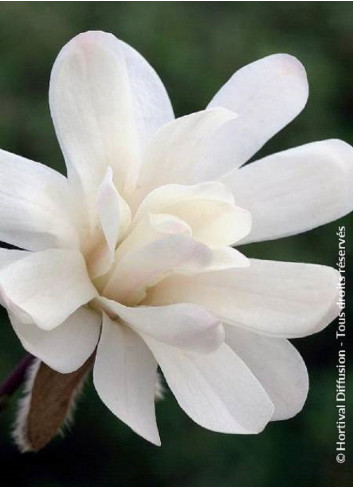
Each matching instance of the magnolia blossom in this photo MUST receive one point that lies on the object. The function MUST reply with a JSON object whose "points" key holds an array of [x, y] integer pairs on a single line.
{"points": [[131, 256]]}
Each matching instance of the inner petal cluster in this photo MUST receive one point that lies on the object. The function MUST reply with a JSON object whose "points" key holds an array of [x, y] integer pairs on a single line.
{"points": [[176, 229]]}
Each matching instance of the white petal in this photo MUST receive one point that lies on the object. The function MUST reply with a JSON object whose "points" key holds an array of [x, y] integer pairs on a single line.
{"points": [[277, 365], [45, 288], [7, 257], [147, 265], [184, 151], [266, 95], [67, 347], [150, 228], [272, 298], [225, 258], [187, 326], [106, 102], [295, 190], [124, 375], [208, 208], [114, 218], [36, 207], [109, 209], [217, 390]]}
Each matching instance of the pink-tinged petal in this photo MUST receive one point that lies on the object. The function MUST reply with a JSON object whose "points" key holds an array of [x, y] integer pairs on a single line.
{"points": [[151, 263], [37, 210], [218, 391], [271, 298], [68, 346], [266, 95], [208, 208], [106, 102], [277, 365], [296, 190], [46, 287], [125, 375], [186, 326], [184, 151]]}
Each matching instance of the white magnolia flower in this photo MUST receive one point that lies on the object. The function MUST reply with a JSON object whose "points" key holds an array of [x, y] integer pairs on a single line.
{"points": [[131, 254]]}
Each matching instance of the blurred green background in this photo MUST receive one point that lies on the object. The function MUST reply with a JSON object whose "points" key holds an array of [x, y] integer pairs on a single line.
{"points": [[195, 47]]}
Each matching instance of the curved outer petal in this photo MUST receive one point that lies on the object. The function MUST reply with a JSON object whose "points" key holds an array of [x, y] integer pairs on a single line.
{"points": [[45, 288], [36, 207], [277, 365], [295, 190], [7, 257], [186, 326], [125, 375], [208, 208], [266, 95], [271, 298], [106, 102], [65, 348], [147, 265], [184, 151], [217, 390]]}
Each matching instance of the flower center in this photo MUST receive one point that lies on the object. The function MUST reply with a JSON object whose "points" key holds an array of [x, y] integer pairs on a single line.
{"points": [[177, 229]]}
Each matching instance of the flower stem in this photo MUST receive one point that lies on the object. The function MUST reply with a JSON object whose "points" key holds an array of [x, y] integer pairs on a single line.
{"points": [[14, 380]]}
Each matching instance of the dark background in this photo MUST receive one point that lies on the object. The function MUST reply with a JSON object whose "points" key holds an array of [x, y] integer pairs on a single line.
{"points": [[195, 47]]}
